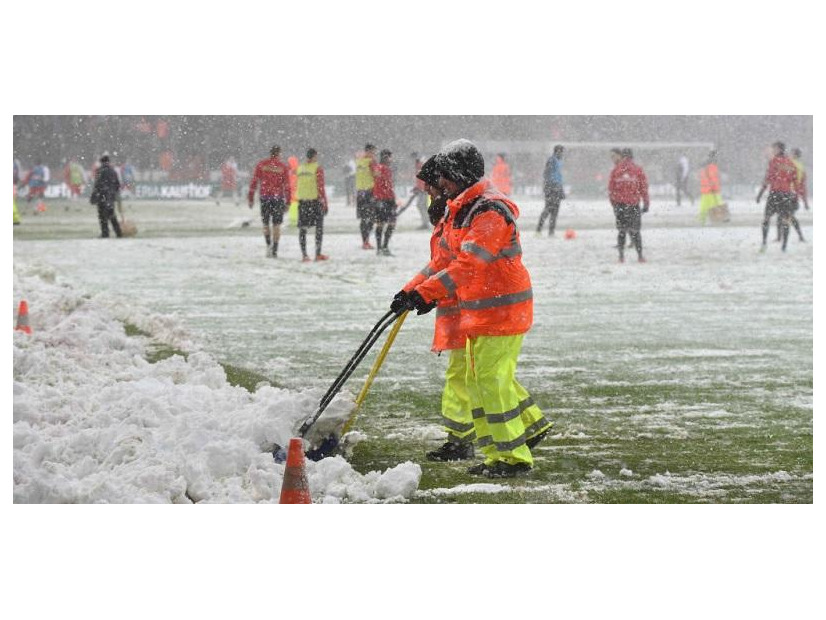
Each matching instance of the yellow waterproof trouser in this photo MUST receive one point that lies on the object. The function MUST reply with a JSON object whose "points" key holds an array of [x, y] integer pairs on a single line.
{"points": [[707, 203], [498, 401], [456, 400]]}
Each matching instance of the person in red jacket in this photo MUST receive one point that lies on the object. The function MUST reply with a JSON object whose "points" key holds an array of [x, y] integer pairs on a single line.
{"points": [[271, 178], [384, 196], [481, 266], [781, 181], [627, 187]]}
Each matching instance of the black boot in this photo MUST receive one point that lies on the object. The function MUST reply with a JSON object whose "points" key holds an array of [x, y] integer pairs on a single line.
{"points": [[452, 451]]}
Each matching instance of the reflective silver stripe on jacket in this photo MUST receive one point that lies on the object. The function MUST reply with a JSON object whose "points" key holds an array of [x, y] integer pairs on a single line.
{"points": [[427, 271], [446, 246], [446, 281], [450, 310], [497, 301], [472, 248], [513, 250]]}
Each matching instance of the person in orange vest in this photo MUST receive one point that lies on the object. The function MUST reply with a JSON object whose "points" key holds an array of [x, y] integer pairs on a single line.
{"points": [[781, 181], [709, 187], [293, 204], [271, 179], [481, 266], [229, 180], [312, 203], [500, 175]]}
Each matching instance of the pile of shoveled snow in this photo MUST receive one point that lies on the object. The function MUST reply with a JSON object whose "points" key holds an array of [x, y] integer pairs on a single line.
{"points": [[95, 422]]}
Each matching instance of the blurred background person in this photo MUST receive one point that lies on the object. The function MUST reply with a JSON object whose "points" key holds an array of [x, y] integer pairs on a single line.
{"points": [[229, 181], [553, 190], [500, 175]]}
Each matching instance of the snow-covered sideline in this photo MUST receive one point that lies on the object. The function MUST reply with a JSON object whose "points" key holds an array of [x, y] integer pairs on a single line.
{"points": [[95, 422]]}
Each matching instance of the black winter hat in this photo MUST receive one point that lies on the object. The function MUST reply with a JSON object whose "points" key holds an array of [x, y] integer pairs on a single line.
{"points": [[461, 162], [429, 172]]}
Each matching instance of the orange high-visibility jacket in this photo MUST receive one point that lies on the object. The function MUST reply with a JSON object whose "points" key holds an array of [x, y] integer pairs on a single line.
{"points": [[500, 176], [710, 179], [447, 333], [482, 265]]}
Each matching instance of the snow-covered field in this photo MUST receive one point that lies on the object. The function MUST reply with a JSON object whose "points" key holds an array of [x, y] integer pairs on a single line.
{"points": [[95, 422]]}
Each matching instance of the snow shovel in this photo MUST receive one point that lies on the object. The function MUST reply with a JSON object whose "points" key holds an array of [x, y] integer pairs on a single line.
{"points": [[329, 443], [374, 371]]}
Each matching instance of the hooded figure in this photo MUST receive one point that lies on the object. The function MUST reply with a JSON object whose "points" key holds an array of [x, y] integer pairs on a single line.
{"points": [[461, 163], [104, 195], [481, 266]]}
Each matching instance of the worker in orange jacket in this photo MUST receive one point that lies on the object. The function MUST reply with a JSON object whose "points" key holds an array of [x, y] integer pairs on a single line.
{"points": [[709, 187], [447, 335], [500, 175], [482, 267]]}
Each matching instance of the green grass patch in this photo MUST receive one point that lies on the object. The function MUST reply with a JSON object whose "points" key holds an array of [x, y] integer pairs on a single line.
{"points": [[624, 443]]}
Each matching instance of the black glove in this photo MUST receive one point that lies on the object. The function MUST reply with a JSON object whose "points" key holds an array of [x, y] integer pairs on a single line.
{"points": [[416, 302], [400, 302], [645, 209]]}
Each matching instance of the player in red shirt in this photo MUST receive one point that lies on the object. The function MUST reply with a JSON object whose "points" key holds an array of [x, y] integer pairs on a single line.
{"points": [[385, 197], [628, 186], [272, 175], [781, 181]]}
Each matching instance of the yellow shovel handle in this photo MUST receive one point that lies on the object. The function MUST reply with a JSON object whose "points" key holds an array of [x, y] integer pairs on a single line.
{"points": [[377, 364]]}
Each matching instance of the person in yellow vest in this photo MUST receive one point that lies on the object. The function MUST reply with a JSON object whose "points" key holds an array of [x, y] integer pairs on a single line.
{"points": [[709, 187], [312, 203], [800, 193], [365, 205], [16, 212]]}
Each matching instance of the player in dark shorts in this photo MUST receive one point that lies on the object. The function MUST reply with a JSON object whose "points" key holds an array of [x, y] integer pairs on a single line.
{"points": [[384, 195], [386, 223], [310, 214], [272, 212], [366, 212]]}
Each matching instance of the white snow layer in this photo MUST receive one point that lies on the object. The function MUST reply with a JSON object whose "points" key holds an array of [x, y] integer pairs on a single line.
{"points": [[94, 422]]}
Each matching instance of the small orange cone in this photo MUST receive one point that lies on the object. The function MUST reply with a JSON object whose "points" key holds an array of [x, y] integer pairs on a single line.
{"points": [[570, 234], [41, 207], [295, 489], [23, 318]]}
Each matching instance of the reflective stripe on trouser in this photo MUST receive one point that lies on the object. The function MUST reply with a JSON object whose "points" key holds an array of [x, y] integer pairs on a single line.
{"points": [[495, 398], [456, 400]]}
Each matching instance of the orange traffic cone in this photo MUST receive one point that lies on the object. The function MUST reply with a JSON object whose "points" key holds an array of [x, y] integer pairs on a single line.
{"points": [[295, 488], [23, 318], [570, 234], [41, 207]]}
